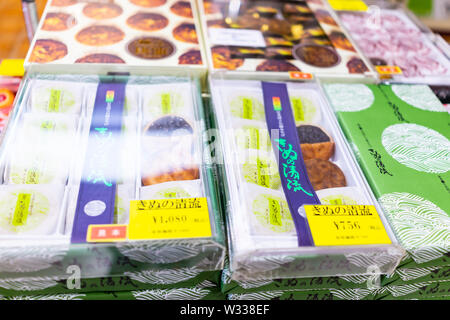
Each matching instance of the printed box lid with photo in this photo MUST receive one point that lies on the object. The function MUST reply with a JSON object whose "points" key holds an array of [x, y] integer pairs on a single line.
{"points": [[121, 35], [277, 37]]}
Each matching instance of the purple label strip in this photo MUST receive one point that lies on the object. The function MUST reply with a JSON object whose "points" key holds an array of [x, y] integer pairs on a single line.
{"points": [[286, 145], [96, 197]]}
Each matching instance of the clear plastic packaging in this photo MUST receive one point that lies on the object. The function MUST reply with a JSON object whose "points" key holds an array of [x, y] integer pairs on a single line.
{"points": [[55, 148], [262, 238], [392, 36]]}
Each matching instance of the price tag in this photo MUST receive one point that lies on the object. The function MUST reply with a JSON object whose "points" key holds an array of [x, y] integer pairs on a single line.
{"points": [[339, 225], [12, 67], [169, 219], [388, 70], [106, 233], [297, 75], [349, 5]]}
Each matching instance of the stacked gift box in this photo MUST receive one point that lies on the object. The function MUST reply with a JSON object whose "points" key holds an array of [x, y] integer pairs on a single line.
{"points": [[315, 167]]}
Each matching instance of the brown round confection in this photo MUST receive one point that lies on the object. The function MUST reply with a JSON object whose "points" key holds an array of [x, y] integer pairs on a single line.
{"points": [[58, 21], [100, 11], [221, 57], [325, 17], [315, 142], [190, 57], [148, 3], [317, 56], [63, 3], [47, 50], [175, 175], [100, 35], [276, 66], [277, 26], [100, 58], [378, 62], [210, 7], [340, 41], [265, 25], [151, 48], [168, 126], [182, 9], [324, 174], [356, 65], [147, 21], [185, 32]]}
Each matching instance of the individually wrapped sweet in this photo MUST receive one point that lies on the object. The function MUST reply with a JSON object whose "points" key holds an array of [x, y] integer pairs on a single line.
{"points": [[165, 99], [56, 97], [30, 210]]}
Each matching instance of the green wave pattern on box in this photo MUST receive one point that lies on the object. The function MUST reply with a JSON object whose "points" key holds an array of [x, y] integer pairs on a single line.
{"points": [[402, 143], [421, 290], [205, 290], [129, 280]]}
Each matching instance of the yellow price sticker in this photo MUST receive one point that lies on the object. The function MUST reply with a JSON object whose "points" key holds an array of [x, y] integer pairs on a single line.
{"points": [[297, 75], [169, 219], [12, 67], [388, 70], [348, 5], [339, 225]]}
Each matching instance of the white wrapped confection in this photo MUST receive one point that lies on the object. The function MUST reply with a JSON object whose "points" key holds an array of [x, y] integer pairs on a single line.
{"points": [[30, 210], [56, 97], [167, 99]]}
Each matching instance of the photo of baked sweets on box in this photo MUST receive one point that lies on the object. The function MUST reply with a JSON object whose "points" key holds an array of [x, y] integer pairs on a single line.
{"points": [[131, 32], [278, 36]]}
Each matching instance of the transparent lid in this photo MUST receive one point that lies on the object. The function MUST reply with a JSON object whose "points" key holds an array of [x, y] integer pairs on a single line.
{"points": [[394, 38], [264, 235], [109, 174]]}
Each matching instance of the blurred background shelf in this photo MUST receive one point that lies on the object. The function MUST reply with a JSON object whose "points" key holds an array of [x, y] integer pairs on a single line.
{"points": [[14, 42]]}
